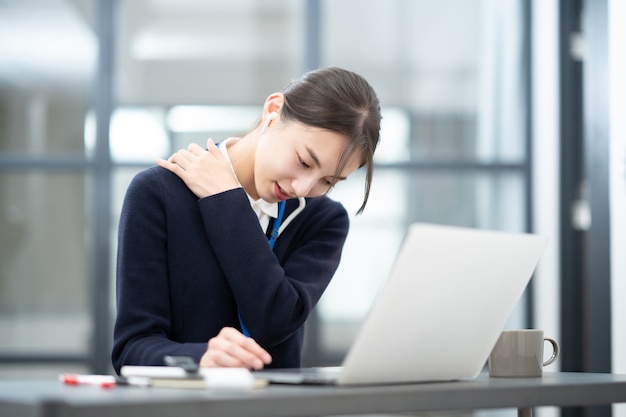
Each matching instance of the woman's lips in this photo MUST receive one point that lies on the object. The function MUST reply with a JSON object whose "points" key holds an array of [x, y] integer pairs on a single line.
{"points": [[279, 193]]}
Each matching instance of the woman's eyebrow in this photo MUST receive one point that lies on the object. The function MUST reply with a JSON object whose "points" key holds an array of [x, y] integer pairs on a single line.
{"points": [[313, 156]]}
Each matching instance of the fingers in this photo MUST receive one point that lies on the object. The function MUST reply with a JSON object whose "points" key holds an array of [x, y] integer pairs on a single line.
{"points": [[182, 159], [213, 149], [252, 346], [241, 349], [230, 348], [169, 165], [195, 149], [186, 157], [204, 172]]}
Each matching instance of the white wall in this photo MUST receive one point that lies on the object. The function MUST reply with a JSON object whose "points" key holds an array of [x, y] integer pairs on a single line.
{"points": [[617, 185], [545, 133]]}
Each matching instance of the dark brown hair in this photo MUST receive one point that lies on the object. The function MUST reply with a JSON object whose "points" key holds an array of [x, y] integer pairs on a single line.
{"points": [[341, 101]]}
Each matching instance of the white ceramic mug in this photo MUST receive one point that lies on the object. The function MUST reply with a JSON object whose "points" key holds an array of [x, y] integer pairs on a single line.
{"points": [[519, 353]]}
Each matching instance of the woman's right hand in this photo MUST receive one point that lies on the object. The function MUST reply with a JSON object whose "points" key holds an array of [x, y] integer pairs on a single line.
{"points": [[205, 171], [231, 348]]}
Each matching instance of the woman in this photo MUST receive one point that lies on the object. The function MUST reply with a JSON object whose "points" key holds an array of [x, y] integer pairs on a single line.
{"points": [[196, 276]]}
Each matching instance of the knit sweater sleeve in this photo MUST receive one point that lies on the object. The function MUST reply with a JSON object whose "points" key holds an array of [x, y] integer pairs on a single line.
{"points": [[275, 290], [143, 325]]}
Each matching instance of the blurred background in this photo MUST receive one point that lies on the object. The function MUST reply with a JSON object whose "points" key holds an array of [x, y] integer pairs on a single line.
{"points": [[496, 115]]}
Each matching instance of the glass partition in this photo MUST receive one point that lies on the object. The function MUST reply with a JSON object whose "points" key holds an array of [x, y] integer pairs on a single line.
{"points": [[44, 264], [450, 76]]}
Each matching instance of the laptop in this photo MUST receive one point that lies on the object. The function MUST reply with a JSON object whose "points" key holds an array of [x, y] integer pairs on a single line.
{"points": [[449, 295]]}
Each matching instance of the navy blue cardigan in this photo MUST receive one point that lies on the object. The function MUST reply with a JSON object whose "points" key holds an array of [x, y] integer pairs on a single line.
{"points": [[186, 265]]}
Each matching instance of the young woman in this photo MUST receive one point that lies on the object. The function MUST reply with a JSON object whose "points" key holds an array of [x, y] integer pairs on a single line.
{"points": [[225, 250]]}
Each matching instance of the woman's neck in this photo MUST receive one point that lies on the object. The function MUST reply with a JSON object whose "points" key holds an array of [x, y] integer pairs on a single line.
{"points": [[241, 153]]}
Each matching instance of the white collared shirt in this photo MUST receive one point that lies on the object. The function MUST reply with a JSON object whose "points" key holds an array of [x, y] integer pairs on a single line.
{"points": [[262, 208]]}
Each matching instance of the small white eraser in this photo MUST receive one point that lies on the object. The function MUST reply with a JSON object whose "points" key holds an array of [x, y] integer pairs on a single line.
{"points": [[228, 378]]}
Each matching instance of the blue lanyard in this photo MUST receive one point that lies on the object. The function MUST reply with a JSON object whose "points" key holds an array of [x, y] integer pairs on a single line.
{"points": [[277, 222], [272, 241]]}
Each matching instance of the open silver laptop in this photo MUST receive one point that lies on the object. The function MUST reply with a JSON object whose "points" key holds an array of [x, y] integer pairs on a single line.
{"points": [[448, 297]]}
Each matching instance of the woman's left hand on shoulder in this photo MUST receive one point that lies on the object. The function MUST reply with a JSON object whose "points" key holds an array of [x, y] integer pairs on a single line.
{"points": [[205, 171]]}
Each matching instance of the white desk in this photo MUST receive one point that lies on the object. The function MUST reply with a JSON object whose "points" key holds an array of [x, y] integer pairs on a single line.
{"points": [[52, 399]]}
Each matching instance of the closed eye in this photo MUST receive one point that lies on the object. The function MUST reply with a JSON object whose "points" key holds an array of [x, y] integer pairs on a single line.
{"points": [[332, 181], [302, 163]]}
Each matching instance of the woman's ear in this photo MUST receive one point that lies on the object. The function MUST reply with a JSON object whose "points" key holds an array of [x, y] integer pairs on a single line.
{"points": [[271, 109], [273, 104]]}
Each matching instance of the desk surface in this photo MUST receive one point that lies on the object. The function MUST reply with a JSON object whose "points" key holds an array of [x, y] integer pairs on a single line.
{"points": [[51, 398]]}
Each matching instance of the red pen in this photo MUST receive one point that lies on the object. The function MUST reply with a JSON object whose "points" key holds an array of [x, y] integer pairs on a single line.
{"points": [[104, 381]]}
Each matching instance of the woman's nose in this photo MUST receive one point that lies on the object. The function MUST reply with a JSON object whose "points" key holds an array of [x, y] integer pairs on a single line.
{"points": [[303, 186]]}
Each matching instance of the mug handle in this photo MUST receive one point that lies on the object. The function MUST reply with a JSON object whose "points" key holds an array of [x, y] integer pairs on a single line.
{"points": [[555, 351]]}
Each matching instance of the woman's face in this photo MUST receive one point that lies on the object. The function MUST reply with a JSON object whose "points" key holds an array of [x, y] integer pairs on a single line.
{"points": [[296, 160]]}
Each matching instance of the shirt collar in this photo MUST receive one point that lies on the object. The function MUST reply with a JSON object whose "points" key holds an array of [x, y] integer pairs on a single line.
{"points": [[271, 209]]}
